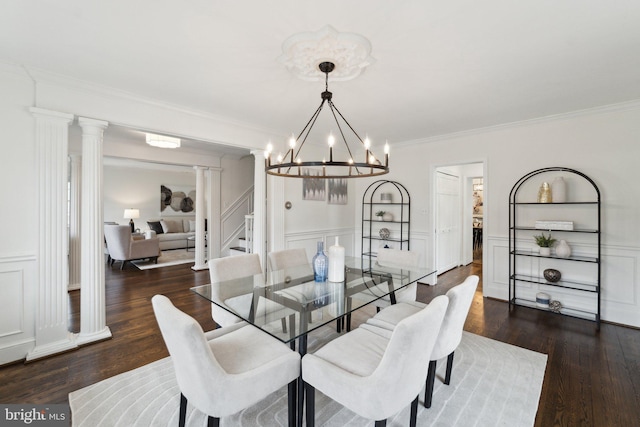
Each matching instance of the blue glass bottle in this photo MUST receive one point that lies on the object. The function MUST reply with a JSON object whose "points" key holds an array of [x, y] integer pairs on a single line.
{"points": [[320, 264]]}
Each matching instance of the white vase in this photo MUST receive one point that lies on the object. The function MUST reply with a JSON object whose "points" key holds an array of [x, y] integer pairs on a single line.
{"points": [[545, 251], [559, 190], [563, 250], [388, 216]]}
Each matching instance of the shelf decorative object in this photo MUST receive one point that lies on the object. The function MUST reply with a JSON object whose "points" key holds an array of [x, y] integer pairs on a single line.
{"points": [[563, 250], [581, 280], [542, 300], [559, 190], [380, 215], [545, 243], [384, 233], [552, 275], [555, 306], [388, 216], [320, 264], [544, 193], [386, 197]]}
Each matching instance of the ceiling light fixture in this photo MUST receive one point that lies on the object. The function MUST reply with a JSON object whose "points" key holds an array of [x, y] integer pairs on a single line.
{"points": [[291, 164], [163, 141]]}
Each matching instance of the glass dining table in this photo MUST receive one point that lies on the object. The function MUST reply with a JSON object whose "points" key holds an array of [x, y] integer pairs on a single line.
{"points": [[288, 304]]}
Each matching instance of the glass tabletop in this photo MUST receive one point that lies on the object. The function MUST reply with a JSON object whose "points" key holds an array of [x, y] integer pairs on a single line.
{"points": [[289, 304]]}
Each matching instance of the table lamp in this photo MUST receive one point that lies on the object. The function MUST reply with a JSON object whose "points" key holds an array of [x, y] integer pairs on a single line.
{"points": [[130, 214]]}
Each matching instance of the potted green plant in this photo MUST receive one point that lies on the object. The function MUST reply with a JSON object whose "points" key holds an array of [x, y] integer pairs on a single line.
{"points": [[545, 243], [379, 214]]}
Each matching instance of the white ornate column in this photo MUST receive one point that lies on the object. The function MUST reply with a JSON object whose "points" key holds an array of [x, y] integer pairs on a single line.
{"points": [[214, 203], [93, 325], [74, 221], [51, 146], [259, 206], [201, 214]]}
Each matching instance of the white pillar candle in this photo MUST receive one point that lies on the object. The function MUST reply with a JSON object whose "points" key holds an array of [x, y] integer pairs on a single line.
{"points": [[336, 262]]}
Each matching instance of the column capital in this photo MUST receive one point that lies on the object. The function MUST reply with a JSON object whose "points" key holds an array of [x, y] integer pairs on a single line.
{"points": [[87, 123], [42, 113], [257, 153], [204, 168]]}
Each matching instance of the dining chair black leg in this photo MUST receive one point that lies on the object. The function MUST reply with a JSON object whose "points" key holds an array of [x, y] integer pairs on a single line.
{"points": [[213, 422], [122, 265], [381, 423], [183, 411], [447, 377], [431, 378], [292, 405], [310, 392], [414, 413]]}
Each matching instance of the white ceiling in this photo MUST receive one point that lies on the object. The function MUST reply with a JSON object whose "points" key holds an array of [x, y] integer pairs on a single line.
{"points": [[441, 66]]}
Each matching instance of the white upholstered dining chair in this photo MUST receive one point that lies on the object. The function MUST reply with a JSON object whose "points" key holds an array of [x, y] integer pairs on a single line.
{"points": [[398, 258], [225, 370], [238, 296], [372, 375], [460, 298], [286, 258]]}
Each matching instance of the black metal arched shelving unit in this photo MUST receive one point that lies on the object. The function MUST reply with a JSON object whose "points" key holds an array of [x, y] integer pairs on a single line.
{"points": [[523, 282], [399, 227]]}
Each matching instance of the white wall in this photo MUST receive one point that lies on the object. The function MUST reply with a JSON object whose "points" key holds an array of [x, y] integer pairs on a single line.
{"points": [[19, 225], [602, 144], [139, 188]]}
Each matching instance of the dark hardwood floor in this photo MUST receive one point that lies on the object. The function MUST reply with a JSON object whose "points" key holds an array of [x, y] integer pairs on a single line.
{"points": [[592, 378]]}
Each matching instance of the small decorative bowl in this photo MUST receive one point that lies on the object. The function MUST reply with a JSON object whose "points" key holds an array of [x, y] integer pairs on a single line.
{"points": [[552, 275]]}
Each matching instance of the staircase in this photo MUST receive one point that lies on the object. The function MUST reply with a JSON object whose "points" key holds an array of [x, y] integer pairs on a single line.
{"points": [[241, 249], [244, 243]]}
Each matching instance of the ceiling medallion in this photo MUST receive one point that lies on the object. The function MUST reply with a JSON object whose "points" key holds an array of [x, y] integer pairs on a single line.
{"points": [[350, 53], [361, 161]]}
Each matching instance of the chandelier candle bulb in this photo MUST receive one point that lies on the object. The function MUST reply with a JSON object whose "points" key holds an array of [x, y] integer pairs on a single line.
{"points": [[336, 262]]}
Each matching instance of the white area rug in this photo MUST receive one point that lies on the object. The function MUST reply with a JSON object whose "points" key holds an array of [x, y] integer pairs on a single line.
{"points": [[167, 258], [492, 384]]}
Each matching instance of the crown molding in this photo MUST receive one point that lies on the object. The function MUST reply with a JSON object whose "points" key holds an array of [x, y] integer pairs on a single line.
{"points": [[603, 109], [41, 76]]}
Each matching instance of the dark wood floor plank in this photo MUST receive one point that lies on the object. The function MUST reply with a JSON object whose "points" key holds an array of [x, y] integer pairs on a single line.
{"points": [[592, 379]]}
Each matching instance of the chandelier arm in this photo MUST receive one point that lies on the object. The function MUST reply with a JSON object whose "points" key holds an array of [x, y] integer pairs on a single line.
{"points": [[309, 126], [344, 139]]}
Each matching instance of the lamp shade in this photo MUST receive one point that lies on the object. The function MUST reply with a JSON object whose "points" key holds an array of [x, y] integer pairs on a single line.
{"points": [[131, 213]]}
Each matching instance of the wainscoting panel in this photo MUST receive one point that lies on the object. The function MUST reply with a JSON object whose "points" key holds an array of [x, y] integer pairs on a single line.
{"points": [[17, 316], [620, 280], [309, 240]]}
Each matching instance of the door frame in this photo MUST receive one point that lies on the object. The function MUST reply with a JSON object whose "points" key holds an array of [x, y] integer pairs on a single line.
{"points": [[486, 220]]}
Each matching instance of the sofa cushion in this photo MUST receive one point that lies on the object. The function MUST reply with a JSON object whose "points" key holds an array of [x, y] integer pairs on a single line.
{"points": [[155, 226], [192, 225], [172, 226]]}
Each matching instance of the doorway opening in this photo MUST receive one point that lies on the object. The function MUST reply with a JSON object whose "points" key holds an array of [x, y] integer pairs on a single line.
{"points": [[459, 216]]}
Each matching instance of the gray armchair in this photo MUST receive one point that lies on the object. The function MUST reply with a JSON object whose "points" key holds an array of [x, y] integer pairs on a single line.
{"points": [[123, 248]]}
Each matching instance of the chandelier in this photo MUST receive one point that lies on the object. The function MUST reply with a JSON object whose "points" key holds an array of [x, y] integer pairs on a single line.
{"points": [[358, 164]]}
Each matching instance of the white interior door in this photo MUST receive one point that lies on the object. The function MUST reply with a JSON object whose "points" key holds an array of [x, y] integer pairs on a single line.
{"points": [[447, 222]]}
